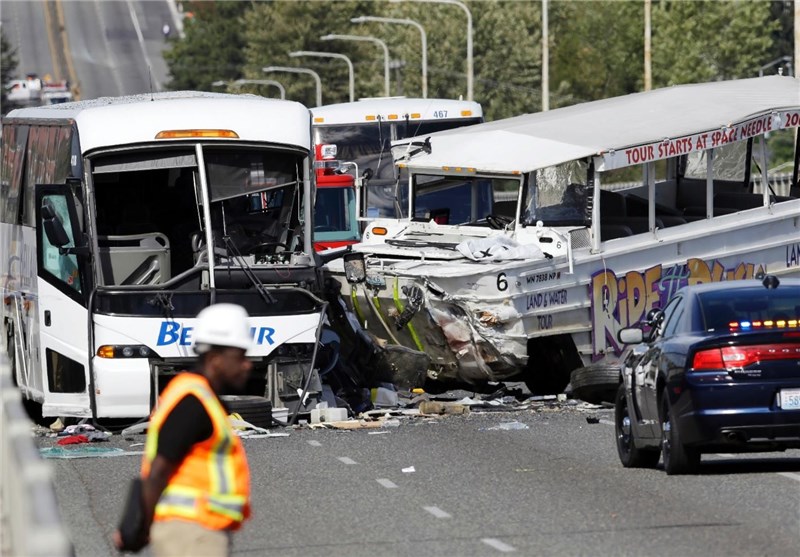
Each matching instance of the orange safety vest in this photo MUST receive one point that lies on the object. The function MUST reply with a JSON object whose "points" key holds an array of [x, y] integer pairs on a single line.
{"points": [[212, 484]]}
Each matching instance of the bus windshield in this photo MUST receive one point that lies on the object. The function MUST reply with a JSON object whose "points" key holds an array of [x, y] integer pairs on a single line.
{"points": [[368, 145]]}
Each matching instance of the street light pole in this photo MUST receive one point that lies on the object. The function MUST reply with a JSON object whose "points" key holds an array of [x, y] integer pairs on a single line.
{"points": [[239, 82], [470, 72], [545, 59], [298, 53], [366, 18], [363, 38], [288, 69]]}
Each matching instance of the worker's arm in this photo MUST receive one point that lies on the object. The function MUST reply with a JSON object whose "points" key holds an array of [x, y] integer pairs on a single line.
{"points": [[161, 471], [151, 489]]}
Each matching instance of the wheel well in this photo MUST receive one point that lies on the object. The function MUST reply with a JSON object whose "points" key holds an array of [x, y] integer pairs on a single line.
{"points": [[550, 361]]}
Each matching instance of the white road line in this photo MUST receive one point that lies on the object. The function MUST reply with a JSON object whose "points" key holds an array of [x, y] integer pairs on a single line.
{"points": [[388, 484], [139, 35], [498, 545], [790, 475], [437, 512], [315, 443], [607, 422], [346, 460]]}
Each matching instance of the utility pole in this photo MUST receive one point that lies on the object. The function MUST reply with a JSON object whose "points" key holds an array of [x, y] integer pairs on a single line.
{"points": [[545, 60], [797, 38], [648, 71]]}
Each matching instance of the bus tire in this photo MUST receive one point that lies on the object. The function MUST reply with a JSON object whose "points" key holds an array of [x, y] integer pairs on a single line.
{"points": [[255, 410], [595, 384]]}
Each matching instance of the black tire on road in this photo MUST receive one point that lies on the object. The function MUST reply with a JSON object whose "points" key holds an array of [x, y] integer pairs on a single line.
{"points": [[595, 384], [629, 454], [678, 458], [256, 410]]}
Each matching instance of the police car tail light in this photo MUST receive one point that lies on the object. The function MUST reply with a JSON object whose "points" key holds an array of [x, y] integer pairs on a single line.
{"points": [[708, 359], [730, 357], [125, 351]]}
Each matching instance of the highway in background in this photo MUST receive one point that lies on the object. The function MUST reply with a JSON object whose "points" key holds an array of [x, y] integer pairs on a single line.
{"points": [[105, 48]]}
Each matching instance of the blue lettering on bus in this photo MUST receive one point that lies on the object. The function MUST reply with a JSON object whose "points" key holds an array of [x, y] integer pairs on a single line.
{"points": [[172, 332]]}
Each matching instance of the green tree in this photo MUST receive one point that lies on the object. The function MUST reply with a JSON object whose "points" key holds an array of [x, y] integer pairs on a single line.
{"points": [[8, 65], [707, 41], [212, 48], [596, 50]]}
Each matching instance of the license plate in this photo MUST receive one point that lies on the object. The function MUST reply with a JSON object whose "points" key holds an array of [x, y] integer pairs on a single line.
{"points": [[790, 399]]}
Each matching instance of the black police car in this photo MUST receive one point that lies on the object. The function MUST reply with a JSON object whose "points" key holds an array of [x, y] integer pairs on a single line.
{"points": [[717, 370]]}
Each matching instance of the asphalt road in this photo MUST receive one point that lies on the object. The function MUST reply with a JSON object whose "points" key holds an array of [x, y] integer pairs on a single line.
{"points": [[556, 488], [114, 47]]}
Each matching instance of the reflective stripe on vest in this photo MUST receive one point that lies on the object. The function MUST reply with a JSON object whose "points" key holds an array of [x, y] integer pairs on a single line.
{"points": [[211, 485]]}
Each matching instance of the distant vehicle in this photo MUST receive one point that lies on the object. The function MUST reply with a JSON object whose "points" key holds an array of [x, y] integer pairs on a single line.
{"points": [[34, 91], [718, 371], [360, 134]]}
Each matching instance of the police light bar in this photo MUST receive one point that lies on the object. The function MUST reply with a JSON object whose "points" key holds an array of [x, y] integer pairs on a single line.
{"points": [[763, 324]]}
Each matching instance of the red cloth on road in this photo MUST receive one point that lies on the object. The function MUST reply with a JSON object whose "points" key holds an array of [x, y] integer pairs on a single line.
{"points": [[73, 440]]}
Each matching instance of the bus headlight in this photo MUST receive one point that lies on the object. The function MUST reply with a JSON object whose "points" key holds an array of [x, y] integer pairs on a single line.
{"points": [[125, 351]]}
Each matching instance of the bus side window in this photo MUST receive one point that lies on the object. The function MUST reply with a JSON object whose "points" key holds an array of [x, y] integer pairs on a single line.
{"points": [[62, 266], [15, 138]]}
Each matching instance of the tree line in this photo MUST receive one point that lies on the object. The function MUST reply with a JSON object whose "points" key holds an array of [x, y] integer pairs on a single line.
{"points": [[596, 49]]}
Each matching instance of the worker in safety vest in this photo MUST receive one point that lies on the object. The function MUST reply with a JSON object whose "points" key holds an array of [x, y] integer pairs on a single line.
{"points": [[195, 480]]}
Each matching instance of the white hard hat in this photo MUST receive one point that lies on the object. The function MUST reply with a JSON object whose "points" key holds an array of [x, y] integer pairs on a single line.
{"points": [[222, 325]]}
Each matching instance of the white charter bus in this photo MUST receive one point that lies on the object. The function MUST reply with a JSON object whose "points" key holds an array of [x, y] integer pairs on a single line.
{"points": [[361, 133], [121, 218]]}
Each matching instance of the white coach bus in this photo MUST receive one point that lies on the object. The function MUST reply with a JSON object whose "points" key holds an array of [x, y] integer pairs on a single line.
{"points": [[121, 218], [359, 134]]}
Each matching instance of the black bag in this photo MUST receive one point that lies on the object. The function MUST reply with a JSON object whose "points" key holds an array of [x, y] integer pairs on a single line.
{"points": [[131, 526]]}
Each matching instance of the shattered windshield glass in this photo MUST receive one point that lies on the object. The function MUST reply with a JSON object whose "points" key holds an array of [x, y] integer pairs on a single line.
{"points": [[255, 197], [468, 200], [558, 195]]}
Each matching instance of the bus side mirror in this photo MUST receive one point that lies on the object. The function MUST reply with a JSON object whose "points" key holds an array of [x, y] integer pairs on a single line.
{"points": [[53, 227], [355, 268]]}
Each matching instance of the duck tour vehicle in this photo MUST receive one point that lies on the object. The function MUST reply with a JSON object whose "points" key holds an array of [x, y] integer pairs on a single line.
{"points": [[528, 243]]}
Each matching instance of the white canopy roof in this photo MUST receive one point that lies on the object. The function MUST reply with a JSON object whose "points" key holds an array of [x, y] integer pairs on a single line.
{"points": [[610, 126]]}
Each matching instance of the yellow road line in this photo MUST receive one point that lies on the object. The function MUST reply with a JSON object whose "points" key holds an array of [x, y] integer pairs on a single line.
{"points": [[73, 76], [51, 40]]}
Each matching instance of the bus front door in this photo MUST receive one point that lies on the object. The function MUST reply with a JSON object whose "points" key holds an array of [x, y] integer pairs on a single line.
{"points": [[62, 291]]}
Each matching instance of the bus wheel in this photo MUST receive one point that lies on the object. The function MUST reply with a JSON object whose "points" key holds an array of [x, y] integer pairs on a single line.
{"points": [[256, 410]]}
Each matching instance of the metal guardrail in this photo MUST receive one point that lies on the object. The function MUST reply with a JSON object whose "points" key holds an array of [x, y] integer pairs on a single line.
{"points": [[30, 524]]}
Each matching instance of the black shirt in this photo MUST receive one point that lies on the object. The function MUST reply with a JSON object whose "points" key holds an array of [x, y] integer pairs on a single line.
{"points": [[188, 423]]}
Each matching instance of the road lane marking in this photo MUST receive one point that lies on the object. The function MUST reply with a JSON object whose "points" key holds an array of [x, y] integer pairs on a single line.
{"points": [[498, 545], [315, 443], [140, 37], [790, 475], [388, 484], [437, 512], [346, 460]]}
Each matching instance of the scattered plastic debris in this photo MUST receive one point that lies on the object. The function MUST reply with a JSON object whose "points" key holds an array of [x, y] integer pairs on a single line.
{"points": [[391, 422], [592, 420], [507, 426], [408, 470]]}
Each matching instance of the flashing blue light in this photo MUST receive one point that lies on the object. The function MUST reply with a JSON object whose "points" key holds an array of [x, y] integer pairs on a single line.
{"points": [[745, 324]]}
